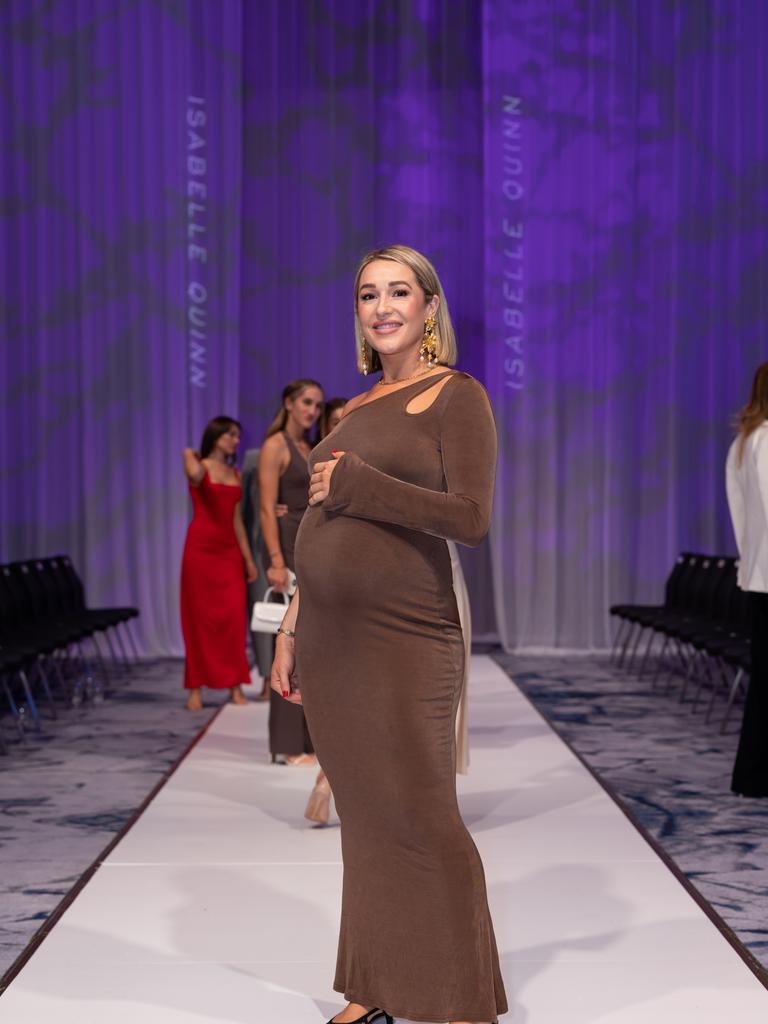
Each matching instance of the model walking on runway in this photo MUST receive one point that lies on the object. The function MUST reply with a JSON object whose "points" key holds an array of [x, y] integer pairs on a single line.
{"points": [[283, 479], [379, 657], [216, 564]]}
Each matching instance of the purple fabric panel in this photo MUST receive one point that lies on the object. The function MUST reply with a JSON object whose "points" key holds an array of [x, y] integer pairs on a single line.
{"points": [[635, 305], [96, 389], [630, 153], [362, 128]]}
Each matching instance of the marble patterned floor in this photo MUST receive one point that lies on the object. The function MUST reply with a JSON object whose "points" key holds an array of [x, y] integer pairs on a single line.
{"points": [[221, 905], [672, 771], [66, 793]]}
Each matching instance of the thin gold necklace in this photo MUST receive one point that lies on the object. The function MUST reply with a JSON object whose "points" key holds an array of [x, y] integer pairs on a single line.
{"points": [[419, 373]]}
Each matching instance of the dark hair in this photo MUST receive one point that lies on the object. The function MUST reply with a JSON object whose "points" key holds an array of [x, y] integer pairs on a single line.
{"points": [[330, 406], [755, 412], [291, 390], [215, 429]]}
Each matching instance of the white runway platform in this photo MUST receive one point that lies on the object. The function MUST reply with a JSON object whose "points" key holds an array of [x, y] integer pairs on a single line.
{"points": [[220, 907]]}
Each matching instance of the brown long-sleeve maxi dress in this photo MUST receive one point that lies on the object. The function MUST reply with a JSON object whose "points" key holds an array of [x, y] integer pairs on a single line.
{"points": [[380, 658]]}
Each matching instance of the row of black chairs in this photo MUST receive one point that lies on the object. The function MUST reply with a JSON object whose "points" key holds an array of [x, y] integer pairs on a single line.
{"points": [[700, 633], [51, 641]]}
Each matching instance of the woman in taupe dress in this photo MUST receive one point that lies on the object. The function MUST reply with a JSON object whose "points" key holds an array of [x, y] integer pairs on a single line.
{"points": [[284, 480], [379, 656]]}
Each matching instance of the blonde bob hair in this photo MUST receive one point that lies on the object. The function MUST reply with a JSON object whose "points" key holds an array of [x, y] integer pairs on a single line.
{"points": [[429, 282]]}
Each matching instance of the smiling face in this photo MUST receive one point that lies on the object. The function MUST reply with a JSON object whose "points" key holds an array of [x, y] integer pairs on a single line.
{"points": [[227, 442], [392, 307], [305, 408]]}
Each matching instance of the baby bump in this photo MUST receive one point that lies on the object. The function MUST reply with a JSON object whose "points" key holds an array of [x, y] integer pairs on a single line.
{"points": [[357, 567], [288, 527]]}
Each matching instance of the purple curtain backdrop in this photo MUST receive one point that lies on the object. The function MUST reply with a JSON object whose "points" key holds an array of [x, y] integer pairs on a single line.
{"points": [[103, 381], [186, 189], [625, 241]]}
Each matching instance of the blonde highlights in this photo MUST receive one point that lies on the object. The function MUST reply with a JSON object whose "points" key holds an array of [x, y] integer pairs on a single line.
{"points": [[429, 282], [755, 412]]}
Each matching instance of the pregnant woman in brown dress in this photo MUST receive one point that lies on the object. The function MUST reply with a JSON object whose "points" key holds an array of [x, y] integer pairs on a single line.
{"points": [[379, 655]]}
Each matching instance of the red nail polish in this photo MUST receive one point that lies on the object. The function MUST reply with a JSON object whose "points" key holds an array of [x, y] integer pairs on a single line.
{"points": [[285, 693], [335, 451]]}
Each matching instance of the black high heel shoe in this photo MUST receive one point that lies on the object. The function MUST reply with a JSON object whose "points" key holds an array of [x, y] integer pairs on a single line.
{"points": [[373, 1016]]}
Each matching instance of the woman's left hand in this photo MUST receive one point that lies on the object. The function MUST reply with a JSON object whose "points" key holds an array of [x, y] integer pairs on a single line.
{"points": [[283, 675], [251, 572], [320, 481]]}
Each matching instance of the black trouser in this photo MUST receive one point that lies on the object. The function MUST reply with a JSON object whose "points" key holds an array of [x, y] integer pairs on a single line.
{"points": [[750, 772]]}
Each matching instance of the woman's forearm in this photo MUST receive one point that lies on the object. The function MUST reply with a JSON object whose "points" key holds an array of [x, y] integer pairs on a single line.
{"points": [[193, 467], [270, 464], [283, 678], [271, 535], [289, 619], [463, 511]]}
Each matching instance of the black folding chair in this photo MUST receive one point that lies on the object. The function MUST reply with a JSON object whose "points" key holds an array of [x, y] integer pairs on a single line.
{"points": [[25, 630], [631, 615], [71, 587], [15, 664]]}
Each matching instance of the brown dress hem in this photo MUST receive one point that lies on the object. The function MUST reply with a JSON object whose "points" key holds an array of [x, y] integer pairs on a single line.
{"points": [[429, 1018]]}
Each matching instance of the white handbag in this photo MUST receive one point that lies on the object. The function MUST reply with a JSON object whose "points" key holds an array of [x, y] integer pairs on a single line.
{"points": [[267, 615]]}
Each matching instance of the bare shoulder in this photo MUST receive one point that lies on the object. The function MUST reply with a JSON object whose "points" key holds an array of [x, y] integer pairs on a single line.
{"points": [[424, 400], [273, 444], [274, 451]]}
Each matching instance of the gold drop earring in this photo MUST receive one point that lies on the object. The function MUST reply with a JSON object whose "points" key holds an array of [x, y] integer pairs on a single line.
{"points": [[364, 354], [428, 350]]}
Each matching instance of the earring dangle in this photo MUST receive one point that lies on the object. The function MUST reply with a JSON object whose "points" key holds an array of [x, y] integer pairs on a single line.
{"points": [[364, 355], [428, 350]]}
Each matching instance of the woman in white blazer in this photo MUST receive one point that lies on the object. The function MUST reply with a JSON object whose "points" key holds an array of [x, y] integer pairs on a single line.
{"points": [[746, 479]]}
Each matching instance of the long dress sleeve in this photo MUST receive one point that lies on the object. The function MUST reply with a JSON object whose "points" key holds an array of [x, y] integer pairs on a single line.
{"points": [[462, 512]]}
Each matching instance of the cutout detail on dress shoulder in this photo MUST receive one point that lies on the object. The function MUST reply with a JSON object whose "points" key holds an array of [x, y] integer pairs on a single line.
{"points": [[426, 399]]}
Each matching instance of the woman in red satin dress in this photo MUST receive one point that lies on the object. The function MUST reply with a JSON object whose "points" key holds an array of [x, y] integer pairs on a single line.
{"points": [[216, 564]]}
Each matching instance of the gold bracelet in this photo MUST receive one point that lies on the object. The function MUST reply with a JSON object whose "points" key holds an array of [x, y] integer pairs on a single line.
{"points": [[286, 632]]}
